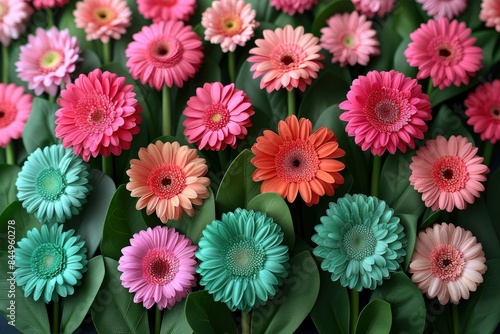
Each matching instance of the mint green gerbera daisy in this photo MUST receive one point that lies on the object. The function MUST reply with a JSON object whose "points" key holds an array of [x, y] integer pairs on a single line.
{"points": [[360, 241], [50, 262], [53, 184], [242, 259]]}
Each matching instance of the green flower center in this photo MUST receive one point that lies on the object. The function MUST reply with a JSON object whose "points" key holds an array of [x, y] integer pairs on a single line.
{"points": [[51, 60], [50, 184], [348, 41], [359, 242], [48, 261], [244, 258]]}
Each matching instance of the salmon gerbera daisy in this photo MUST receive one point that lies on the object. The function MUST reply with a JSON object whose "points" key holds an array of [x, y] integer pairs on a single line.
{"points": [[13, 17], [490, 13]]}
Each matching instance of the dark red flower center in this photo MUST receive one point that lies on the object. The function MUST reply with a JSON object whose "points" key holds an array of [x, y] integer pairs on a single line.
{"points": [[159, 266], [7, 114]]}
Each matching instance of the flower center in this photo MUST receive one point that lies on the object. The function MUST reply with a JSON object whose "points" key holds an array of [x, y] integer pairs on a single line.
{"points": [[450, 173], [216, 116], [231, 24], [167, 180], [48, 261], [349, 41], [447, 263], [159, 266], [51, 60], [494, 111], [296, 161], [244, 258], [103, 14], [287, 57], [388, 109], [95, 113], [165, 52], [50, 184], [446, 50], [7, 114], [359, 242]]}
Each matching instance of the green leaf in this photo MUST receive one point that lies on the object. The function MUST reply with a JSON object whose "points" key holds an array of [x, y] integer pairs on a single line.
{"points": [[431, 218], [334, 7], [448, 123], [406, 18], [206, 316], [295, 21], [389, 43], [90, 62], [400, 62], [375, 318], [39, 130], [174, 320], [24, 220], [264, 12], [8, 190], [492, 197], [409, 223]]}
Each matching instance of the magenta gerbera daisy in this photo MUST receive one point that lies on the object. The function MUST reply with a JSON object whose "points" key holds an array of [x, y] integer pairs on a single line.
{"points": [[490, 13], [166, 10], [41, 4], [371, 8], [293, 6], [13, 15], [15, 108], [443, 8], [483, 110]]}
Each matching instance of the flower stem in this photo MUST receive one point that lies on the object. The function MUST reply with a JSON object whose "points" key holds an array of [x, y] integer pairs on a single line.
{"points": [[50, 17], [291, 102], [52, 99], [55, 318], [107, 165], [158, 316], [454, 309], [10, 153], [5, 63], [354, 309], [488, 152], [106, 53], [231, 63], [377, 165], [166, 121], [245, 323]]}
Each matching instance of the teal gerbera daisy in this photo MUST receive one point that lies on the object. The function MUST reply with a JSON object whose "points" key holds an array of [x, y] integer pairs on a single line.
{"points": [[242, 259], [360, 240], [50, 262], [53, 184]]}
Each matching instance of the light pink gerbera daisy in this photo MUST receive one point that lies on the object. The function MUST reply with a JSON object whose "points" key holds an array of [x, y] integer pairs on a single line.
{"points": [[448, 262], [444, 51], [448, 173], [350, 39], [159, 266], [229, 23], [216, 116], [386, 111], [372, 7], [15, 108], [483, 110], [490, 13], [165, 53], [13, 15], [102, 19], [443, 8], [293, 6], [166, 10], [99, 115], [41, 4], [286, 58]]}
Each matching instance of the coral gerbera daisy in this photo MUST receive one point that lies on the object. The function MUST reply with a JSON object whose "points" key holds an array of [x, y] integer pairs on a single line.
{"points": [[296, 160], [286, 58], [490, 13], [15, 108], [229, 23], [13, 15], [448, 262], [350, 39], [216, 116], [169, 179], [372, 7], [159, 266], [483, 110], [242, 259], [443, 8], [41, 4], [444, 51], [448, 173], [386, 111], [164, 53], [293, 6], [166, 10]]}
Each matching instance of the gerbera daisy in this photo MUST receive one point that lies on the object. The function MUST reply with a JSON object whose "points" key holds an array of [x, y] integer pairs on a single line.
{"points": [[50, 262], [48, 60], [448, 173], [169, 179], [99, 115], [286, 58], [41, 4], [360, 241], [483, 110], [159, 266], [490, 13], [372, 7], [443, 8], [448, 262], [229, 23], [165, 53], [293, 6], [386, 111], [350, 39], [13, 15], [296, 160], [242, 259], [444, 51], [15, 108], [53, 184], [166, 10], [102, 19]]}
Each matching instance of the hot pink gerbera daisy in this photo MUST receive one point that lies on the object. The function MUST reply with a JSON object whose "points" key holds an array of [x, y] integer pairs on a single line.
{"points": [[217, 116], [229, 23], [40, 4], [448, 262], [15, 108], [169, 179], [444, 51], [443, 8], [102, 19], [490, 13], [292, 6], [165, 53], [350, 39], [448, 173], [166, 10], [372, 7], [483, 110], [13, 15], [287, 58], [386, 111], [159, 266], [99, 115]]}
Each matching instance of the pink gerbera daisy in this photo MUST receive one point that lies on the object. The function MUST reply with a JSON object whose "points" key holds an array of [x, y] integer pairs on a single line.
{"points": [[13, 15], [350, 39], [448, 173], [490, 13], [99, 115], [40, 4], [444, 51], [159, 266], [443, 8], [386, 111], [229, 23], [165, 53], [448, 262], [483, 110], [217, 116], [169, 179], [166, 10], [102, 19], [15, 108], [372, 7], [286, 58], [292, 6]]}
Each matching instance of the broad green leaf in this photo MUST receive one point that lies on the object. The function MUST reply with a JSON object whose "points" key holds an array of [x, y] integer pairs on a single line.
{"points": [[409, 223], [400, 62], [39, 130], [8, 190], [174, 321], [206, 316], [375, 318], [431, 217], [447, 123], [23, 220], [264, 12], [297, 20], [389, 43], [90, 62], [406, 18], [334, 7]]}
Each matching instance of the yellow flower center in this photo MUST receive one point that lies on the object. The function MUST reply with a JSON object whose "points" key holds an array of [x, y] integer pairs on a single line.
{"points": [[103, 15], [231, 24], [348, 41], [216, 117], [51, 60]]}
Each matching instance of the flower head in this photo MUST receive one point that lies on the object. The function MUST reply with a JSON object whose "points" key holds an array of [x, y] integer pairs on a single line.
{"points": [[166, 10], [483, 111], [448, 173], [13, 15], [242, 259], [50, 262], [287, 58], [490, 13], [293, 6], [360, 241], [15, 108], [371, 8], [448, 262], [386, 111], [443, 8], [41, 4], [159, 266]]}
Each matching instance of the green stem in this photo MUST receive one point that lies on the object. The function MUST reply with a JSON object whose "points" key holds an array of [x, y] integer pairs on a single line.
{"points": [[231, 63], [488, 152], [377, 165], [10, 153], [50, 17], [291, 102], [454, 309], [52, 98], [55, 318], [166, 121], [245, 323], [354, 309], [106, 53], [158, 316], [223, 159], [5, 64], [107, 165]]}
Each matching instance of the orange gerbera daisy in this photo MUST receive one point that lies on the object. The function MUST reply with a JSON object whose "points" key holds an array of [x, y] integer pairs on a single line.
{"points": [[295, 160]]}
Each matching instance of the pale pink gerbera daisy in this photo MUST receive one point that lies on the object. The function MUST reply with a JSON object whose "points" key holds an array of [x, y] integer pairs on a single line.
{"points": [[159, 266], [102, 19], [99, 115], [448, 173], [229, 23], [372, 7], [483, 110], [350, 39], [216, 116], [13, 15], [287, 58], [443, 8], [444, 51], [448, 262], [166, 10], [40, 4], [490, 13], [169, 179], [15, 108], [292, 6], [165, 53], [386, 111]]}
